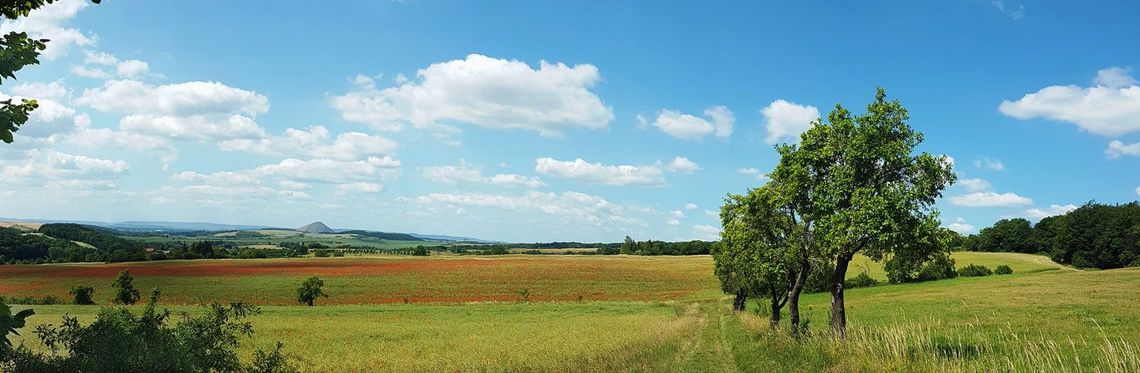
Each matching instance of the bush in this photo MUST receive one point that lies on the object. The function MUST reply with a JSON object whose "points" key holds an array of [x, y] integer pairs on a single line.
{"points": [[338, 253], [941, 267], [863, 280], [1003, 270], [321, 253], [974, 270], [121, 341], [83, 294]]}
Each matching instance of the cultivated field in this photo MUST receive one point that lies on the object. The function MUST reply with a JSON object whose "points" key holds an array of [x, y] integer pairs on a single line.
{"points": [[636, 313]]}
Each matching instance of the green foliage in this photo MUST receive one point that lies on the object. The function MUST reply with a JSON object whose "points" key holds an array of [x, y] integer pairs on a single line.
{"points": [[939, 268], [19, 247], [973, 270], [863, 280], [121, 341], [928, 260], [125, 283], [109, 246], [321, 253], [1007, 235], [858, 182], [1092, 236], [310, 290], [1003, 270], [82, 294], [420, 251], [9, 324]]}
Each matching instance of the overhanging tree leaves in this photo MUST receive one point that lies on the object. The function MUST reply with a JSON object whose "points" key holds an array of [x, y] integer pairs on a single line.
{"points": [[16, 51], [9, 323], [864, 190]]}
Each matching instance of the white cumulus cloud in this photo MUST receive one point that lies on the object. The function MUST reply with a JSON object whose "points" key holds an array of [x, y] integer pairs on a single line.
{"points": [[482, 91], [786, 121], [961, 227], [1116, 149], [1111, 107], [597, 173], [718, 121], [315, 142], [683, 164], [990, 199], [1038, 213]]}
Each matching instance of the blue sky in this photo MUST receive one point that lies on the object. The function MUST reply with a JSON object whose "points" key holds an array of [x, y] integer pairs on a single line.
{"points": [[543, 121]]}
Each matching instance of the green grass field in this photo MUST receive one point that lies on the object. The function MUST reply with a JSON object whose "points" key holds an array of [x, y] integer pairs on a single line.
{"points": [[656, 314]]}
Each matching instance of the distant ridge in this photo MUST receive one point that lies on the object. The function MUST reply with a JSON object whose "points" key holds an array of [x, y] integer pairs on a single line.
{"points": [[316, 227]]}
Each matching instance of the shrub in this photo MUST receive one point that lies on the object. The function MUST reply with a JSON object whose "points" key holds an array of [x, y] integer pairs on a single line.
{"points": [[338, 253], [321, 253], [122, 341], [420, 251], [863, 280], [1003, 270], [974, 270], [941, 267], [82, 294]]}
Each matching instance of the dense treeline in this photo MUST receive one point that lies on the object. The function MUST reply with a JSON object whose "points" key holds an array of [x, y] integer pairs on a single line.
{"points": [[651, 247], [629, 247], [109, 247], [21, 247], [1092, 236]]}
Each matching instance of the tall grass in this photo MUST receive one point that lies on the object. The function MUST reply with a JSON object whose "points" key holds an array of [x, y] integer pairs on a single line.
{"points": [[931, 347]]}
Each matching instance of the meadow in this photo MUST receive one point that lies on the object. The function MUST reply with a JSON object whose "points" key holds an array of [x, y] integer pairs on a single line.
{"points": [[636, 314]]}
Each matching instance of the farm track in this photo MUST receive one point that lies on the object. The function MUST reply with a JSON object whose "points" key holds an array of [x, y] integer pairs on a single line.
{"points": [[707, 349]]}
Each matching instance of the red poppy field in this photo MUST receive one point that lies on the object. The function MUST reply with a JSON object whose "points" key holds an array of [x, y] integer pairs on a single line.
{"points": [[375, 280]]}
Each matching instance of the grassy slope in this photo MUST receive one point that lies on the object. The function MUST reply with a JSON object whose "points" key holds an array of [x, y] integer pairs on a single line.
{"points": [[898, 327]]}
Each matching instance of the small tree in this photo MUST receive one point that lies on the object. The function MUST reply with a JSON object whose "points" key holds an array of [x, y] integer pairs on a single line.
{"points": [[310, 290], [126, 284], [83, 294]]}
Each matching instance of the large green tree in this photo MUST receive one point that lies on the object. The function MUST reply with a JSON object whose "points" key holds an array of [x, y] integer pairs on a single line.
{"points": [[17, 50], [863, 188]]}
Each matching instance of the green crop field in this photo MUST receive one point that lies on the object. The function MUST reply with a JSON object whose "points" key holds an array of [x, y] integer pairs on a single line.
{"points": [[636, 313]]}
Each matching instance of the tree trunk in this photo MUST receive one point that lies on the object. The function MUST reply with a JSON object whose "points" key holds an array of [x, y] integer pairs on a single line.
{"points": [[794, 296], [740, 301], [838, 310], [774, 318]]}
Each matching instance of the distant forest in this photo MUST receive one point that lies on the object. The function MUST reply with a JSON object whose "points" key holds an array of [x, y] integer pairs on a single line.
{"points": [[1092, 236], [629, 247]]}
